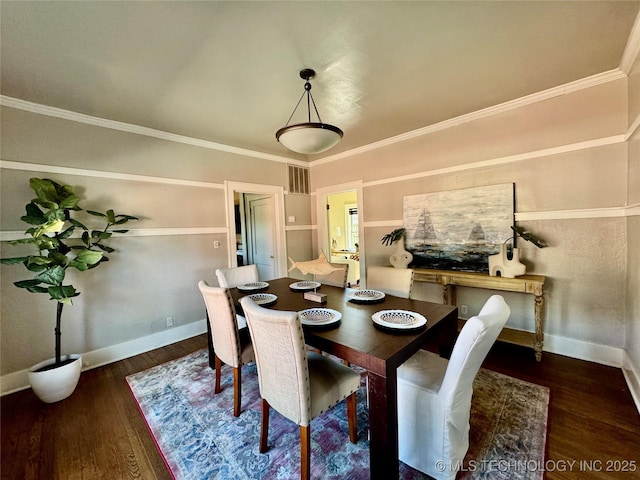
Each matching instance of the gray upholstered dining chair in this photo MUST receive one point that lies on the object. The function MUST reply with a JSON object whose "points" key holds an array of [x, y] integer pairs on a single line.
{"points": [[394, 281], [298, 384], [231, 346], [232, 277], [434, 396], [337, 278]]}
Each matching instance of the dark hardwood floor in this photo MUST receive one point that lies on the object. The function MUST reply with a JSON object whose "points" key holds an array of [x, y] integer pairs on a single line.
{"points": [[98, 432]]}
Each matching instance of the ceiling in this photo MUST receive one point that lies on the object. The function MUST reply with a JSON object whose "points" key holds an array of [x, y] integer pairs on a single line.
{"points": [[227, 71]]}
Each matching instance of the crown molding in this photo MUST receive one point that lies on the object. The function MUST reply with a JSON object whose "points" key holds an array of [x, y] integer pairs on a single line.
{"points": [[632, 50], [138, 130], [592, 81], [570, 87]]}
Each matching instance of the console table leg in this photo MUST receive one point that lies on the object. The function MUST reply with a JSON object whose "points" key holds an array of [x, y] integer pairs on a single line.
{"points": [[539, 318], [449, 294]]}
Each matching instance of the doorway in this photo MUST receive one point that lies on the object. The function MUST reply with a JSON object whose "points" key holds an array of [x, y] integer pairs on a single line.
{"points": [[340, 227], [261, 237], [255, 220]]}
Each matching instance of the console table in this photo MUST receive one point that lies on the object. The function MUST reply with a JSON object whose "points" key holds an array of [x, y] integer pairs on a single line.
{"points": [[530, 284]]}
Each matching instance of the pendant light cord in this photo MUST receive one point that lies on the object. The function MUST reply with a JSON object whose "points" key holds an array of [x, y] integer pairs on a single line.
{"points": [[310, 100]]}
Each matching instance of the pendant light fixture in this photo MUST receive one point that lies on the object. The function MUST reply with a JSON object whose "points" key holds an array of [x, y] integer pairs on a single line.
{"points": [[310, 137]]}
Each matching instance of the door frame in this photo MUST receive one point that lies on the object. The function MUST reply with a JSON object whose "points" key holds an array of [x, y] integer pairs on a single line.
{"points": [[277, 192], [322, 240]]}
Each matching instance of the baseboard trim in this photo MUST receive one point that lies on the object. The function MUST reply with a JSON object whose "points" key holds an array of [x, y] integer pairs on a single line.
{"points": [[633, 379], [578, 349], [602, 354], [17, 381]]}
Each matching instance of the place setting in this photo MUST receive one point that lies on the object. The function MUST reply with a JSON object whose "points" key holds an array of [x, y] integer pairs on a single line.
{"points": [[319, 317], [253, 287], [263, 299], [399, 321], [304, 286], [366, 296]]}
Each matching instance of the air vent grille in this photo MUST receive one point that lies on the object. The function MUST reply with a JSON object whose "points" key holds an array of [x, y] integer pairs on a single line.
{"points": [[298, 179]]}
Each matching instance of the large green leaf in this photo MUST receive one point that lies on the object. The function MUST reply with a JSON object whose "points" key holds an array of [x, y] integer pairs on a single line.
{"points": [[86, 259], [67, 233], [32, 286], [50, 227], [14, 260], [37, 264], [78, 224], [52, 276], [97, 214], [63, 293], [55, 214], [120, 219], [46, 190], [34, 215], [100, 234], [27, 283], [104, 248], [69, 201]]}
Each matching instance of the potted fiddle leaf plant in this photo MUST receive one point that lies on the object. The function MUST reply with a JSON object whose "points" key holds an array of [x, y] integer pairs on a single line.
{"points": [[52, 217]]}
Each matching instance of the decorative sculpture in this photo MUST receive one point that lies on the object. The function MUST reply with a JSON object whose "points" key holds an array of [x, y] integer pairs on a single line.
{"points": [[500, 264]]}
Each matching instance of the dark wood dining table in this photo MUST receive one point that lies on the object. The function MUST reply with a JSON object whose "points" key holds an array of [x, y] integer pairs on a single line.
{"points": [[380, 352]]}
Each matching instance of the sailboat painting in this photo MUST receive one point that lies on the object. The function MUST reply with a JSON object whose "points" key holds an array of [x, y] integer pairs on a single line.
{"points": [[458, 229]]}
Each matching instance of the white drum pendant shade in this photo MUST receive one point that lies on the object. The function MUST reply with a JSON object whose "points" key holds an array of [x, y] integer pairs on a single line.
{"points": [[309, 138]]}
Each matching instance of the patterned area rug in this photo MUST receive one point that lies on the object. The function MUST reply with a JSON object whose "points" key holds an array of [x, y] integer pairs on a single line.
{"points": [[199, 437]]}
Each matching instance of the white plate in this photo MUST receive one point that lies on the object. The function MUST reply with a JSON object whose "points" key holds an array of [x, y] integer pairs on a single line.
{"points": [[366, 295], [304, 285], [399, 319], [317, 317], [263, 298], [253, 286]]}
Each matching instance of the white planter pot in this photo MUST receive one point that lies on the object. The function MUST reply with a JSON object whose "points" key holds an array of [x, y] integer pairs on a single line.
{"points": [[58, 383]]}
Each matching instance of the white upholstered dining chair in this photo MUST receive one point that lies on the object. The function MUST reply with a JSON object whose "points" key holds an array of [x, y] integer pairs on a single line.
{"points": [[391, 280], [298, 384], [230, 345], [434, 396]]}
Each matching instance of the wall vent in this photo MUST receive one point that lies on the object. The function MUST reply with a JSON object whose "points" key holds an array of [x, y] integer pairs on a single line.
{"points": [[298, 179]]}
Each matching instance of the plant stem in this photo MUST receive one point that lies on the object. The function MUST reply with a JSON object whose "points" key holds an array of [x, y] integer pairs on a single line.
{"points": [[58, 332]]}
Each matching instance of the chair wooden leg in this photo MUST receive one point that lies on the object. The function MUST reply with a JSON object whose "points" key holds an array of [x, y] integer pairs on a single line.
{"points": [[218, 368], [264, 426], [237, 389], [305, 452], [352, 418]]}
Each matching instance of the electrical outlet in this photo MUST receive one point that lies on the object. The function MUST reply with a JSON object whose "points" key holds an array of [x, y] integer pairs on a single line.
{"points": [[169, 322], [464, 311]]}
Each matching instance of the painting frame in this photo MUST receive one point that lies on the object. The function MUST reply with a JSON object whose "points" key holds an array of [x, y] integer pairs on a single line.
{"points": [[458, 229]]}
